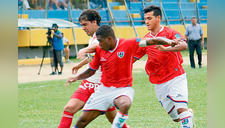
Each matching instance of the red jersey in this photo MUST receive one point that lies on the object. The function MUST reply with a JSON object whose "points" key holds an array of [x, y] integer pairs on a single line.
{"points": [[162, 66], [116, 64]]}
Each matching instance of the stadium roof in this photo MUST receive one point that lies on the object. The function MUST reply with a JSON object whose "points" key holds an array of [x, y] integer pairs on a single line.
{"points": [[42, 23]]}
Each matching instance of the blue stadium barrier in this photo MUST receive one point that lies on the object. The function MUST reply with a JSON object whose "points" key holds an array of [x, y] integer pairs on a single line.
{"points": [[184, 1], [203, 15], [120, 15], [59, 14], [201, 4], [188, 14], [152, 3], [203, 1], [135, 5], [173, 14], [188, 5], [104, 15], [111, 4], [75, 16], [34, 14], [168, 0], [170, 5]]}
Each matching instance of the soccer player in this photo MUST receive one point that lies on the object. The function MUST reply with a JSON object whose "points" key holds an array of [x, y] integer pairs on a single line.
{"points": [[165, 70], [90, 21], [115, 56]]}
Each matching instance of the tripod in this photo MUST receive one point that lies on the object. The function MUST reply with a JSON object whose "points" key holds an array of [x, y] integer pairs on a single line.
{"points": [[45, 48]]}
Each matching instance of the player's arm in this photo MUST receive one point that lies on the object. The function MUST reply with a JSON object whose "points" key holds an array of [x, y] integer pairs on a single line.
{"points": [[202, 36], [180, 47], [89, 49], [87, 73], [134, 60], [76, 67], [186, 37], [157, 41]]}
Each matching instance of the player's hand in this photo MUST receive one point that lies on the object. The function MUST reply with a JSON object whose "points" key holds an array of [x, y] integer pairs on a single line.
{"points": [[70, 80], [160, 47], [81, 54], [202, 42], [75, 69], [174, 42]]}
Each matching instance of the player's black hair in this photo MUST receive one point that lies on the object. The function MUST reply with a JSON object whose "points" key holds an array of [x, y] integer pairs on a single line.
{"points": [[90, 15], [156, 10], [105, 31]]}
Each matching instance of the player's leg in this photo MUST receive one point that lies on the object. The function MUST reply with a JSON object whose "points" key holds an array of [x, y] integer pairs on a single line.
{"points": [[70, 109], [77, 102], [179, 96], [86, 117], [123, 103], [67, 51], [122, 100], [111, 114]]}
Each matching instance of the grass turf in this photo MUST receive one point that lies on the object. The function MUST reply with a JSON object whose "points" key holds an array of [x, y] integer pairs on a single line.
{"points": [[41, 103]]}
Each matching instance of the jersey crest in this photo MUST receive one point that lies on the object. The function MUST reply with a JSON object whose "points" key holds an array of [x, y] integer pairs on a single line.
{"points": [[120, 54], [177, 36]]}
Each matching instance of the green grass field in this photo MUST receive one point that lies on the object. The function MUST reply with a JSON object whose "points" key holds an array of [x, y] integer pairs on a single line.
{"points": [[41, 103]]}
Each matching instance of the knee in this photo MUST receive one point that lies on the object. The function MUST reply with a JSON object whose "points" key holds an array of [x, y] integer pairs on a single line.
{"points": [[180, 110], [82, 122], [71, 109], [125, 106], [176, 120]]}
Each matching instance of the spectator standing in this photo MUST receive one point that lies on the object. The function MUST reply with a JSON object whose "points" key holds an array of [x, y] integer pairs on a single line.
{"points": [[66, 48], [57, 49], [194, 34]]}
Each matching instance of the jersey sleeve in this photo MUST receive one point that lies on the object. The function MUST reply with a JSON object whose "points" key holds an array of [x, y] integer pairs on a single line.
{"points": [[95, 63], [133, 43], [140, 53], [177, 35]]}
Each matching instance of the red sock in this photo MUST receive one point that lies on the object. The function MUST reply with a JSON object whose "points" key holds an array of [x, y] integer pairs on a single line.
{"points": [[125, 125], [66, 120]]}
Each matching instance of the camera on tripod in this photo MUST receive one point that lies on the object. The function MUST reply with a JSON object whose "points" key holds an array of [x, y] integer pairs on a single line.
{"points": [[49, 38]]}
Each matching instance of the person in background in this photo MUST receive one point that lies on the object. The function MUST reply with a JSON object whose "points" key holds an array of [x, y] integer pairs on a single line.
{"points": [[57, 49], [66, 48], [194, 34]]}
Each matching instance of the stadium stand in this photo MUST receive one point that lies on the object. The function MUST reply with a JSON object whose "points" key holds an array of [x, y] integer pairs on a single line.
{"points": [[174, 13]]}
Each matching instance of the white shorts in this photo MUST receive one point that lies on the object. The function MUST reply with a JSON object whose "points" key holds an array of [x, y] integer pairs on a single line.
{"points": [[104, 97], [173, 94]]}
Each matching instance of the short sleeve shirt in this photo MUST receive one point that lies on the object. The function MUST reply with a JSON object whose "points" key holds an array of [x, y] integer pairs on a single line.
{"points": [[162, 66], [116, 64], [58, 42], [194, 32]]}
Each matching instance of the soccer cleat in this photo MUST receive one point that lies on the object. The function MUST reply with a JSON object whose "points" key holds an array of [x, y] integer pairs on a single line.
{"points": [[60, 73], [192, 111]]}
